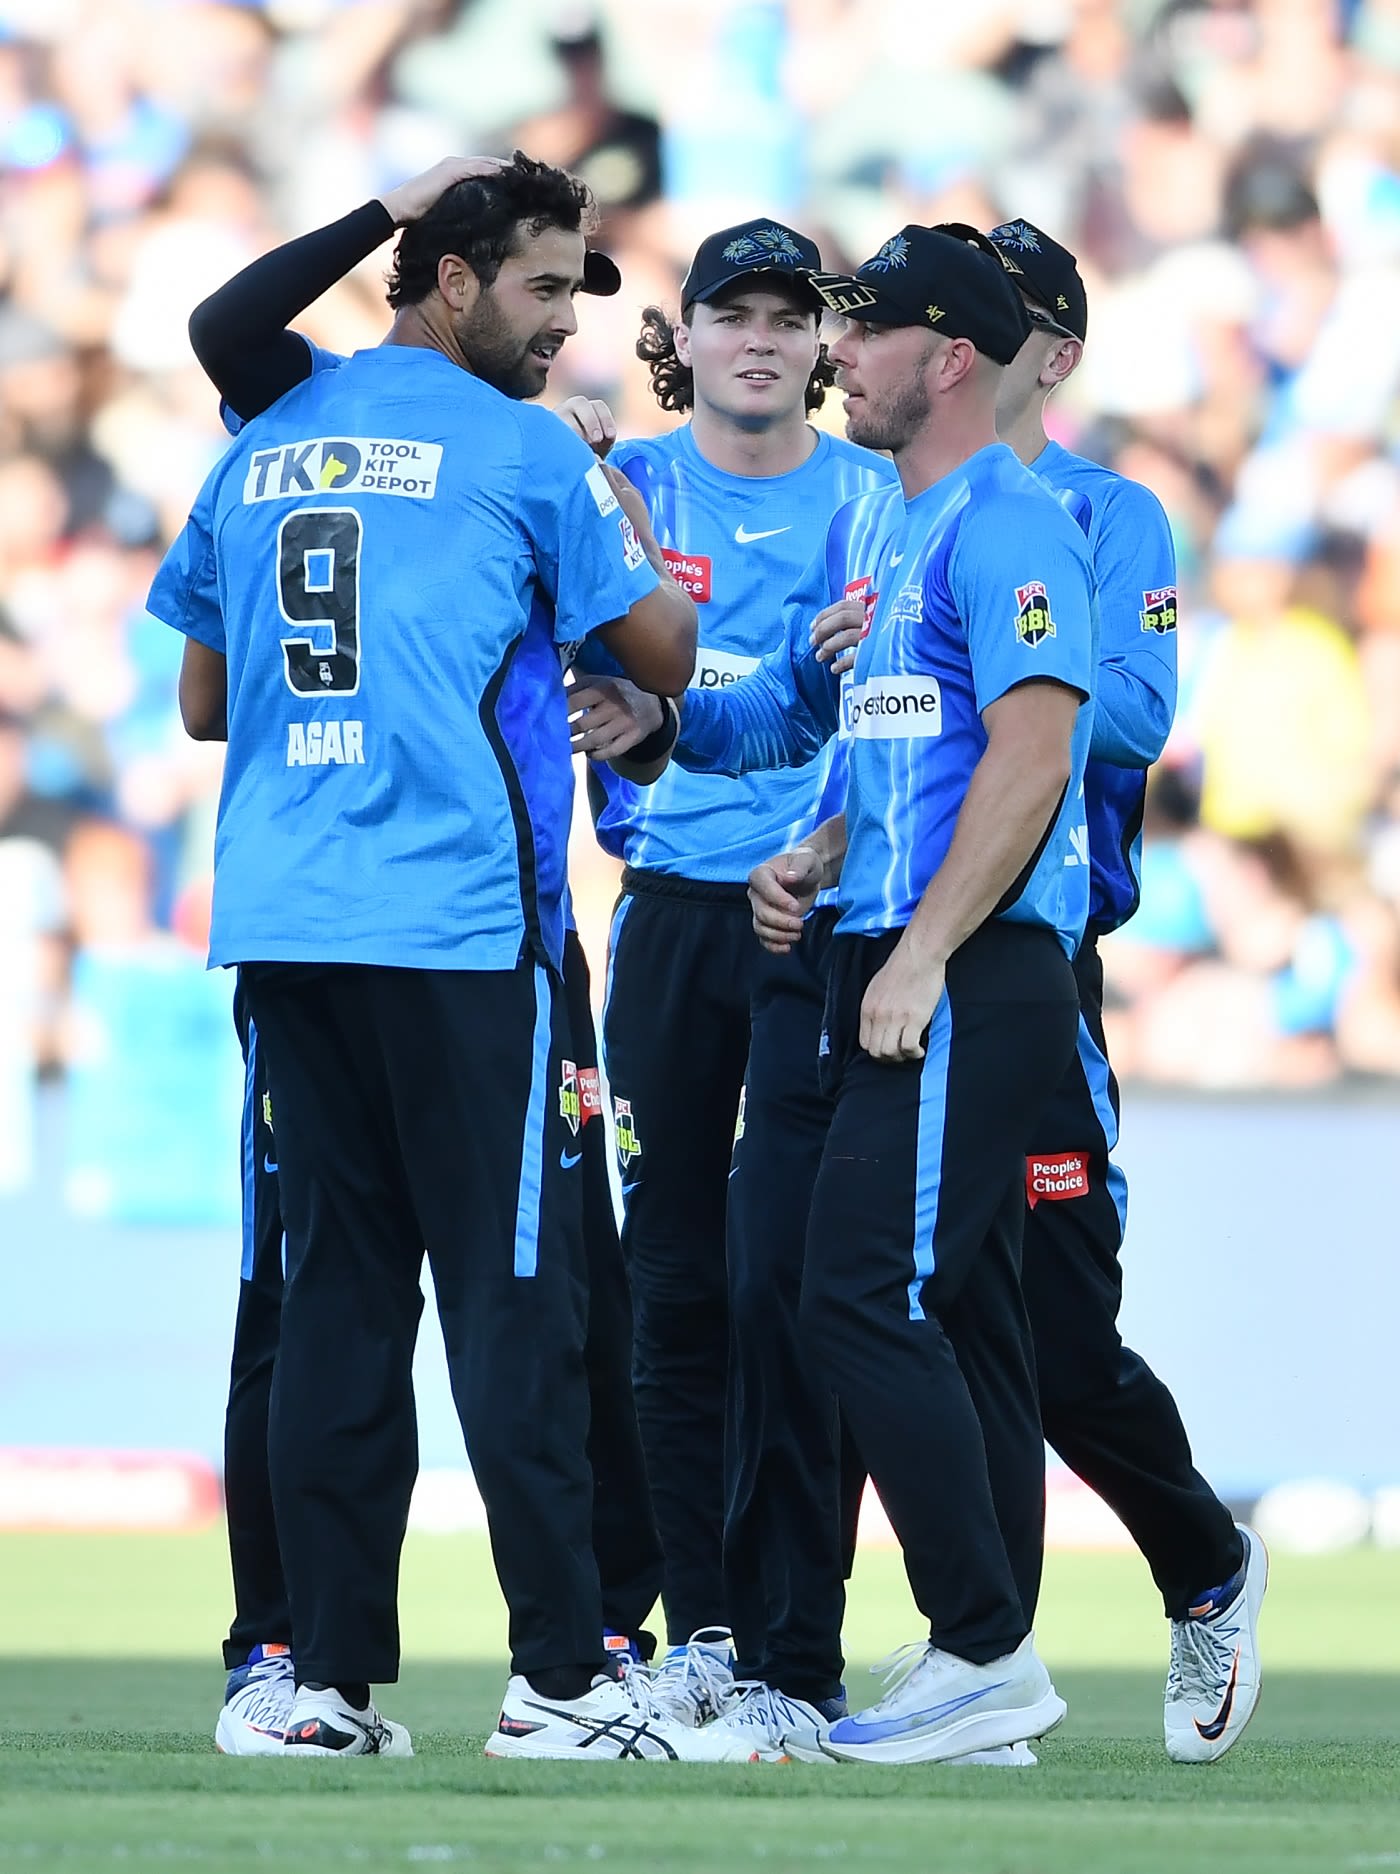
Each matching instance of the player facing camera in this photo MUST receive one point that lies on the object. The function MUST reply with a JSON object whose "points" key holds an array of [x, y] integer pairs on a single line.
{"points": [[489, 274]]}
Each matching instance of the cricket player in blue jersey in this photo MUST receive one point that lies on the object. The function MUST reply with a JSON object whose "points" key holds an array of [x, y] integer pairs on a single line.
{"points": [[951, 1005], [1105, 1411], [241, 338], [373, 586], [739, 498]]}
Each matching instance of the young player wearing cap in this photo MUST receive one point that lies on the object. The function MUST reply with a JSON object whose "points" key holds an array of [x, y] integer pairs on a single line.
{"points": [[951, 1006], [1105, 1411], [739, 498]]}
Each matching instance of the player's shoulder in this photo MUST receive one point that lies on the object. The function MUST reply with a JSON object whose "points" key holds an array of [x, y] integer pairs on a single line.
{"points": [[1114, 500], [650, 452], [860, 469], [548, 445], [1006, 501], [867, 509]]}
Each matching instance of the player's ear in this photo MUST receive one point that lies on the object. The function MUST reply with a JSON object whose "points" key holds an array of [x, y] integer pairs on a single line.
{"points": [[457, 283], [1062, 362], [680, 338]]}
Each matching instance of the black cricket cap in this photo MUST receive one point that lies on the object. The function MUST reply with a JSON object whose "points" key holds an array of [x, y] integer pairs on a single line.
{"points": [[939, 280], [601, 277], [761, 246], [1046, 272]]}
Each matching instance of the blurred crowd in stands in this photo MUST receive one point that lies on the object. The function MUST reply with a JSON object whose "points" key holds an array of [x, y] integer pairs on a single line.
{"points": [[1228, 173]]}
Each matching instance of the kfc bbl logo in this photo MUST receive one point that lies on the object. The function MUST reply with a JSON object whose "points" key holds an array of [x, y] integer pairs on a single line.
{"points": [[1033, 621], [1159, 610]]}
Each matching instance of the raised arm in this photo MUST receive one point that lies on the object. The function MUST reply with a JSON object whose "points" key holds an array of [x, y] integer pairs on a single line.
{"points": [[239, 333]]}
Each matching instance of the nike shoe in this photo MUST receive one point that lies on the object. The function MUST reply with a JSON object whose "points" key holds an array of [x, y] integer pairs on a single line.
{"points": [[1213, 1680], [763, 1725], [615, 1720], [1006, 1757], [695, 1682], [257, 1702], [939, 1707], [322, 1724]]}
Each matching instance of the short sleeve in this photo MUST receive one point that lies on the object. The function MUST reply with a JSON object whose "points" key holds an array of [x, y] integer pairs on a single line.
{"points": [[185, 591], [1021, 581], [590, 561]]}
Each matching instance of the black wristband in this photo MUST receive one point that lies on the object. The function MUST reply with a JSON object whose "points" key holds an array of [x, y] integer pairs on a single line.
{"points": [[661, 741]]}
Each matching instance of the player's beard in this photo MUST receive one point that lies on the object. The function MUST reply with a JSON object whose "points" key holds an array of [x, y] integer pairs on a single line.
{"points": [[894, 421], [497, 354]]}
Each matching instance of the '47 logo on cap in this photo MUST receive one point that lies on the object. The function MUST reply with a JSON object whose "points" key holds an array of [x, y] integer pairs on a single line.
{"points": [[1033, 620]]}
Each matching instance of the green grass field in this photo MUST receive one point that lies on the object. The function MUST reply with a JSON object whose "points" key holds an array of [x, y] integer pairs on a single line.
{"points": [[110, 1680]]}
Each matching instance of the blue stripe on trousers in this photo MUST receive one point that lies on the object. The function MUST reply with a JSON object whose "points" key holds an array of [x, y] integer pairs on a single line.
{"points": [[928, 1161], [250, 1149], [527, 1209], [1095, 1066]]}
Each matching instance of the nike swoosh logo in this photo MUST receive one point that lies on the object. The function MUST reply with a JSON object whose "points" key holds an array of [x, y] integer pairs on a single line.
{"points": [[1216, 1728], [566, 1163], [896, 558], [859, 1729], [267, 1163], [743, 536]]}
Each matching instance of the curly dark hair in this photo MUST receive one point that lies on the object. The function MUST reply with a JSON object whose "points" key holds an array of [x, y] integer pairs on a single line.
{"points": [[673, 383], [477, 220]]}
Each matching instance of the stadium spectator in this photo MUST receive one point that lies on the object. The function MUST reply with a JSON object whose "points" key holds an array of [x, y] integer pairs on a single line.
{"points": [[1230, 177]]}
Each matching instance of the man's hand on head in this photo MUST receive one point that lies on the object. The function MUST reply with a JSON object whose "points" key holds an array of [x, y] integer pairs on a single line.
{"points": [[412, 199]]}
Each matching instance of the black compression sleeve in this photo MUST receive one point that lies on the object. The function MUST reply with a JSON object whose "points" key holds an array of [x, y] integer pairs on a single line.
{"points": [[239, 333]]}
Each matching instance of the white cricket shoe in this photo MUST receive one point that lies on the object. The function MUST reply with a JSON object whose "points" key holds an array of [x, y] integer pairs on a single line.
{"points": [[257, 1703], [693, 1683], [763, 1725], [939, 1707], [1213, 1680], [614, 1720], [1005, 1757], [322, 1724]]}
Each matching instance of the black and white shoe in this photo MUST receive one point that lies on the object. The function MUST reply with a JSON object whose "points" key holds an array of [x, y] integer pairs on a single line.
{"points": [[614, 1721], [322, 1724]]}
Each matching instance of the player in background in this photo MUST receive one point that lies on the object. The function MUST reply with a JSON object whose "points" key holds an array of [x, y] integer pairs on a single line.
{"points": [[951, 1005], [1104, 1410], [398, 913], [240, 337], [739, 497]]}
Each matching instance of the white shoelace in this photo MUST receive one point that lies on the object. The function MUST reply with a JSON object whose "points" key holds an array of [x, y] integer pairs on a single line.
{"points": [[267, 1691], [758, 1707], [1203, 1653], [695, 1673], [636, 1682], [896, 1667]]}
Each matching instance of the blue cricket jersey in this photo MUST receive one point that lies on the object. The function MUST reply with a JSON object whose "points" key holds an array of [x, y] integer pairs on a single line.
{"points": [[1135, 695], [739, 544], [390, 558], [976, 585]]}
